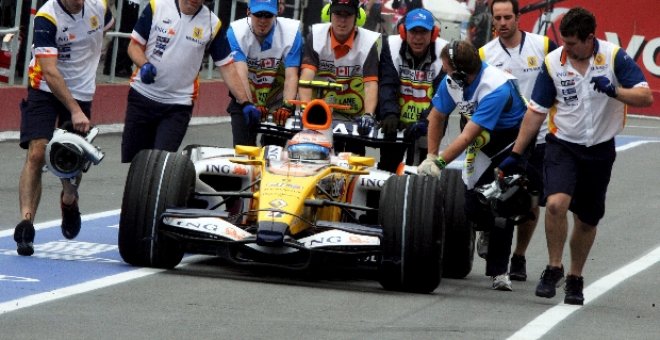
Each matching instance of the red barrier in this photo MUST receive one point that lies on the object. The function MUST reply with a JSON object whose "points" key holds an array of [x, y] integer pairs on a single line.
{"points": [[109, 103]]}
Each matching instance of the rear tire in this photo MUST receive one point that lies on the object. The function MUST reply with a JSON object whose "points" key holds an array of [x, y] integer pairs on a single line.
{"points": [[412, 242], [156, 180], [459, 232]]}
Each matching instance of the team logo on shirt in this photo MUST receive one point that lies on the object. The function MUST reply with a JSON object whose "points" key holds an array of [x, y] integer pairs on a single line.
{"points": [[94, 22], [198, 33], [532, 61], [599, 60]]}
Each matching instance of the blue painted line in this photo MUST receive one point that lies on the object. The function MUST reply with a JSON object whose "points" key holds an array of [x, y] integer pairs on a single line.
{"points": [[58, 262]]}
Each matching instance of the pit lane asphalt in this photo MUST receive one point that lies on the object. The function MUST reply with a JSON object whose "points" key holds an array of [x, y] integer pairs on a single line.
{"points": [[212, 300]]}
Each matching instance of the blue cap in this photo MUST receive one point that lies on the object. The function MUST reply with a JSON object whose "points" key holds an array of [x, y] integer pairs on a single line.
{"points": [[419, 18], [269, 6]]}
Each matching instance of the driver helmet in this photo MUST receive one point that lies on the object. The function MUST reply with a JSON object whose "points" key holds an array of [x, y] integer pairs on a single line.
{"points": [[309, 145]]}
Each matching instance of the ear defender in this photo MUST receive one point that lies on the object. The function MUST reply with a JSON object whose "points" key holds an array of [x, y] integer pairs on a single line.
{"points": [[435, 33], [361, 17]]}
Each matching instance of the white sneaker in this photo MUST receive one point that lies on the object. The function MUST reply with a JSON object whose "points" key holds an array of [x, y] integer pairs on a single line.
{"points": [[502, 282], [482, 244]]}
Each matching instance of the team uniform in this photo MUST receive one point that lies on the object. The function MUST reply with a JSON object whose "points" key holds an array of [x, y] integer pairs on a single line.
{"points": [[352, 64], [266, 62], [413, 85], [157, 114], [580, 150], [524, 62], [493, 102], [75, 40]]}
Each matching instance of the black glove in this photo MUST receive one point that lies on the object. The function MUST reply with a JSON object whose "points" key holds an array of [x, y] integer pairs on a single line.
{"points": [[603, 85], [390, 126], [364, 124], [416, 130], [513, 164]]}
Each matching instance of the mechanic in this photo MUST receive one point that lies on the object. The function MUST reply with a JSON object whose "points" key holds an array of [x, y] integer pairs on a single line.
{"points": [[590, 83], [167, 46], [62, 84], [341, 52], [521, 54], [262, 45], [407, 83], [493, 108]]}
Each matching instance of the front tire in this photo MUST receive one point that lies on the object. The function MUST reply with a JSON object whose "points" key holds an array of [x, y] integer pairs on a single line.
{"points": [[412, 242], [156, 180], [459, 232]]}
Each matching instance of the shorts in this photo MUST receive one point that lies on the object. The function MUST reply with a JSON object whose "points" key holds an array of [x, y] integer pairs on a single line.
{"points": [[152, 125], [581, 172], [40, 112]]}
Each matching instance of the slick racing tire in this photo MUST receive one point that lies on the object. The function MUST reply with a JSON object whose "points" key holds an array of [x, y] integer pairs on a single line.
{"points": [[156, 180], [459, 234], [411, 217]]}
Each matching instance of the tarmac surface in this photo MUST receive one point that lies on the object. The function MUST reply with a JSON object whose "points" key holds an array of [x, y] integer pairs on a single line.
{"points": [[209, 299]]}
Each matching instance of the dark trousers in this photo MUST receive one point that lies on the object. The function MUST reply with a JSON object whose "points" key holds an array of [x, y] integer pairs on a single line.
{"points": [[152, 125]]}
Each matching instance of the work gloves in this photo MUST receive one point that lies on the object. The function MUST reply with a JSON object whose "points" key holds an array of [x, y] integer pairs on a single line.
{"points": [[603, 85], [365, 124], [282, 114], [148, 73], [431, 166], [251, 114], [513, 164], [390, 126]]}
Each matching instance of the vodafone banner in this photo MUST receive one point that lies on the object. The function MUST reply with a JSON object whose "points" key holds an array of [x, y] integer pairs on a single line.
{"points": [[631, 24]]}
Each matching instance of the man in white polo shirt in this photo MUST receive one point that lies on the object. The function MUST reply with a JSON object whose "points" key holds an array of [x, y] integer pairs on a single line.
{"points": [[68, 35], [168, 45]]}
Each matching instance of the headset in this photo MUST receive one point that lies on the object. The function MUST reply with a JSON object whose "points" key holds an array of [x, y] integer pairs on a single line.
{"points": [[360, 19], [402, 30], [459, 76]]}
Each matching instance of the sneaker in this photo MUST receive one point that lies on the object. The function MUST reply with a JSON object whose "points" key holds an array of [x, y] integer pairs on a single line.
{"points": [[551, 278], [502, 282], [482, 244], [573, 290], [518, 271], [70, 219], [24, 237]]}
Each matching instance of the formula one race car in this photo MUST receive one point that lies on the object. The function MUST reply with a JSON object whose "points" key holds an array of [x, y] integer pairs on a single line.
{"points": [[286, 206]]}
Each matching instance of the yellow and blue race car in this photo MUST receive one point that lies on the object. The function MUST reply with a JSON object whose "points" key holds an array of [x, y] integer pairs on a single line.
{"points": [[287, 205]]}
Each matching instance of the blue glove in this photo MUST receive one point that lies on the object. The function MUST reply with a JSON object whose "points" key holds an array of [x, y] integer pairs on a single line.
{"points": [[251, 114], [603, 85], [148, 73], [364, 124], [416, 130], [513, 164]]}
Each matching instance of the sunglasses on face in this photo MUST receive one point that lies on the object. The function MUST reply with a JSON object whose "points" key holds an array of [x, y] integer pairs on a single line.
{"points": [[262, 15]]}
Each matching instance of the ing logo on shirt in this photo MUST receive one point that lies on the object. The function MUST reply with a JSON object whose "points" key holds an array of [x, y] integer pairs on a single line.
{"points": [[532, 61], [198, 33]]}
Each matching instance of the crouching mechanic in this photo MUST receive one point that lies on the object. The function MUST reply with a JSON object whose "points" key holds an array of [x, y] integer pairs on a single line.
{"points": [[487, 98], [407, 83], [167, 45], [62, 83], [340, 52], [263, 45]]}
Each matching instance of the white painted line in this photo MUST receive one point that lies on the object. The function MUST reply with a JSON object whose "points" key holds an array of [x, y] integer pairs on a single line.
{"points": [[88, 286], [634, 144], [553, 316]]}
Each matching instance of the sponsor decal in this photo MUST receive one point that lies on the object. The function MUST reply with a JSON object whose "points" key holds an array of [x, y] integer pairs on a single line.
{"points": [[211, 225], [570, 90], [335, 238], [532, 61], [278, 203], [599, 60], [569, 82], [198, 33]]}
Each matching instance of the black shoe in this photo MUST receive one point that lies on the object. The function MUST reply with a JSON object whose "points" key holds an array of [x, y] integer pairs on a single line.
{"points": [[70, 219], [551, 278], [518, 271], [573, 289], [24, 237]]}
